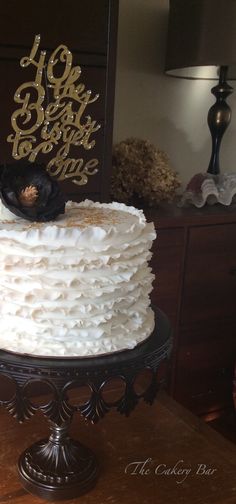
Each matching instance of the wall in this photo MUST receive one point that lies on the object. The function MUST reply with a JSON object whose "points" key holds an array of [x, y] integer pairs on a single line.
{"points": [[169, 112]]}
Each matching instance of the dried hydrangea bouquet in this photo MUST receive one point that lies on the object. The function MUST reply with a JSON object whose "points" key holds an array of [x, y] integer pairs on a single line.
{"points": [[142, 174]]}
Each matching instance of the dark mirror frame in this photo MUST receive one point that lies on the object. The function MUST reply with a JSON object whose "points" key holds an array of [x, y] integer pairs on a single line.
{"points": [[89, 29]]}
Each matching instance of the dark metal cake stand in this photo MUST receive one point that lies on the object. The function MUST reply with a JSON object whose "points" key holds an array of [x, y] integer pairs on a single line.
{"points": [[60, 467]]}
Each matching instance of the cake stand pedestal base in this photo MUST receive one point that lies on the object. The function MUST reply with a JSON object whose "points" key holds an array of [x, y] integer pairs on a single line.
{"points": [[58, 467]]}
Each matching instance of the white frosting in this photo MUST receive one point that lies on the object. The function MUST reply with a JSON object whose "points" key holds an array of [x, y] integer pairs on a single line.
{"points": [[6, 215], [76, 286]]}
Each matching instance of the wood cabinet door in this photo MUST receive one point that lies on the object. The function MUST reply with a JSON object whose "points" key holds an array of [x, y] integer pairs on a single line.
{"points": [[89, 30], [204, 370], [209, 291], [167, 261]]}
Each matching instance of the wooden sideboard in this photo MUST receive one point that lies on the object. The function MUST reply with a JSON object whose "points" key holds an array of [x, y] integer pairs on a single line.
{"points": [[194, 260]]}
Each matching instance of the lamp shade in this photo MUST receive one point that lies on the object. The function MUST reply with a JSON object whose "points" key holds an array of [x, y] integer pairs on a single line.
{"points": [[201, 38]]}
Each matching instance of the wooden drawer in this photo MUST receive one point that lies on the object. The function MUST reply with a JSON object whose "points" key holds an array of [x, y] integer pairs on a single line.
{"points": [[205, 369], [167, 267], [210, 274]]}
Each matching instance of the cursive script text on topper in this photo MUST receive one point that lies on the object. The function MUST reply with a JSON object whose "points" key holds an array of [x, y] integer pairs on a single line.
{"points": [[61, 124]]}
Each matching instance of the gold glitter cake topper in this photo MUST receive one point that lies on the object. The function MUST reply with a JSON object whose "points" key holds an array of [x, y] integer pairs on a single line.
{"points": [[62, 123]]}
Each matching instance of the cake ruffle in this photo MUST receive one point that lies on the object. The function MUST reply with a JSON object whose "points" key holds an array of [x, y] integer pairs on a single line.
{"points": [[78, 286]]}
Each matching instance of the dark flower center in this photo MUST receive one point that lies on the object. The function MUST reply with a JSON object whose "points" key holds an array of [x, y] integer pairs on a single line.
{"points": [[28, 196]]}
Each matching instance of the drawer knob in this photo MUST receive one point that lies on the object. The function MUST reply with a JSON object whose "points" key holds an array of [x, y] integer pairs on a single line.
{"points": [[232, 271]]}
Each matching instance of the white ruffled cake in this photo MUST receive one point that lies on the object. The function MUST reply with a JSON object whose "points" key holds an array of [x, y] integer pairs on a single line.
{"points": [[79, 285]]}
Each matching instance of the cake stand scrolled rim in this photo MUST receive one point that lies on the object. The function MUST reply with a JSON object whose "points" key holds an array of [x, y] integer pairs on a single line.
{"points": [[159, 340]]}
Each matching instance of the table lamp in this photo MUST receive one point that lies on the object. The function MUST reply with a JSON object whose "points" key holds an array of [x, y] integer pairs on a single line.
{"points": [[201, 44]]}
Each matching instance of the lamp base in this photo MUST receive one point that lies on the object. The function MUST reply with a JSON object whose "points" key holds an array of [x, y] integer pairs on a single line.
{"points": [[219, 117], [205, 188]]}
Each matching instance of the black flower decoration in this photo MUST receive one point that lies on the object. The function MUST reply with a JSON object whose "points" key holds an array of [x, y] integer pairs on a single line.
{"points": [[28, 191]]}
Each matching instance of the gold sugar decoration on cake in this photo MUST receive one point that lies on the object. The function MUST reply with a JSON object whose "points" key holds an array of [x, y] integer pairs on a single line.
{"points": [[82, 218], [28, 196], [62, 124], [87, 217]]}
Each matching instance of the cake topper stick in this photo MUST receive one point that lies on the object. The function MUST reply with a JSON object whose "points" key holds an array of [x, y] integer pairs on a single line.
{"points": [[60, 125]]}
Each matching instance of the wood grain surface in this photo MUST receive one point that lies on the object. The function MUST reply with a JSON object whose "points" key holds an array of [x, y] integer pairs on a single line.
{"points": [[164, 433]]}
